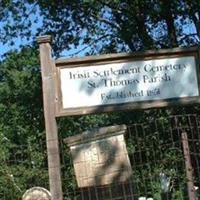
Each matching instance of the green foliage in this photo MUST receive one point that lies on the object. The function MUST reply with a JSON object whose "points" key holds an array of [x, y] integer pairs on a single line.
{"points": [[20, 95], [103, 26], [22, 149], [22, 136], [156, 153]]}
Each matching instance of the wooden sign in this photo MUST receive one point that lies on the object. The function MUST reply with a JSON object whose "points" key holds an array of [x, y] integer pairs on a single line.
{"points": [[110, 83], [92, 152], [127, 81]]}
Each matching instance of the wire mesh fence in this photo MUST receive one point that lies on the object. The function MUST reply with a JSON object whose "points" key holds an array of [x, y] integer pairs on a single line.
{"points": [[21, 167], [158, 161], [164, 156]]}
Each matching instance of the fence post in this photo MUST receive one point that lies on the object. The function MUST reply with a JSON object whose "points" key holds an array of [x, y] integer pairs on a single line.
{"points": [[188, 166], [48, 84]]}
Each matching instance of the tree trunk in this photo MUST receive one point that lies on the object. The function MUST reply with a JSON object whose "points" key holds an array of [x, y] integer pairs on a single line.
{"points": [[168, 17]]}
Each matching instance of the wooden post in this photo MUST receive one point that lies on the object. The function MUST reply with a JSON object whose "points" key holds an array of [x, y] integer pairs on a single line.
{"points": [[188, 165], [48, 83]]}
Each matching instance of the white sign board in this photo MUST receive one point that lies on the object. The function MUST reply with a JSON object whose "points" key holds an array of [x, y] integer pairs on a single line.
{"points": [[126, 82]]}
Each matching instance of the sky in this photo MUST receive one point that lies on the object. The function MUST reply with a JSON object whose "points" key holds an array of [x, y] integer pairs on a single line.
{"points": [[79, 51], [4, 48]]}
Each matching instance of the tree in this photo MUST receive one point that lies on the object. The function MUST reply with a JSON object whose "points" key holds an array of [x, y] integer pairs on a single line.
{"points": [[22, 144], [23, 154], [104, 26], [99, 27]]}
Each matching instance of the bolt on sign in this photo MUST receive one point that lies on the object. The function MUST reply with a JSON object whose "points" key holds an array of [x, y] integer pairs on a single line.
{"points": [[127, 81]]}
